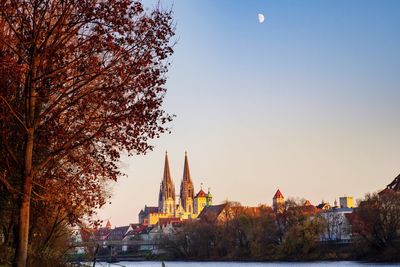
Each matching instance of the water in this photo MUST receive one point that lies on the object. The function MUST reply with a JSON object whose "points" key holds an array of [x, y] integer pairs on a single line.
{"points": [[242, 264]]}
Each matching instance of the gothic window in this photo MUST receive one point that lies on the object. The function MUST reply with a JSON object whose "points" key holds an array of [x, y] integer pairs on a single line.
{"points": [[190, 208]]}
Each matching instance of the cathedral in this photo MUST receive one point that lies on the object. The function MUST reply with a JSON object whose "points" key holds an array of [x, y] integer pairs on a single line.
{"points": [[189, 204]]}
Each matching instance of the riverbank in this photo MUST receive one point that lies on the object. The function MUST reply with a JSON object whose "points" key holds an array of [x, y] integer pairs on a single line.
{"points": [[245, 264]]}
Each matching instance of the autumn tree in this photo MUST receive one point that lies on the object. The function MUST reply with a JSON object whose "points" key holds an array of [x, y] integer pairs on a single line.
{"points": [[376, 224], [299, 229], [80, 81]]}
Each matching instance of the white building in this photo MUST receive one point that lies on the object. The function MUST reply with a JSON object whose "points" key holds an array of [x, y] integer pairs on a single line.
{"points": [[338, 227]]}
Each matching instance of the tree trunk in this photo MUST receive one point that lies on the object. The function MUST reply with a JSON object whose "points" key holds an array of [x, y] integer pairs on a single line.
{"points": [[23, 231]]}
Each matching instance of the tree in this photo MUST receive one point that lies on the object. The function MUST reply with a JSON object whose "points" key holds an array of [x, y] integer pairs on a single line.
{"points": [[377, 223], [336, 226], [299, 228], [80, 81], [302, 237]]}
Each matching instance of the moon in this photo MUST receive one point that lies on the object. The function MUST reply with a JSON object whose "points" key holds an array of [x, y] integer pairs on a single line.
{"points": [[261, 18]]}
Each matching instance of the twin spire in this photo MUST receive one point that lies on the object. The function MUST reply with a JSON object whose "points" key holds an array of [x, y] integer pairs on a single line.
{"points": [[167, 189], [167, 174]]}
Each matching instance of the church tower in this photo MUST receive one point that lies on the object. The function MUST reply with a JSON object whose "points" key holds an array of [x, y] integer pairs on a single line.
{"points": [[166, 200], [277, 201], [187, 189]]}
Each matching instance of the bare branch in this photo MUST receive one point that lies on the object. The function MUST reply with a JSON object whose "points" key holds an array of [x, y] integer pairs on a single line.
{"points": [[14, 114]]}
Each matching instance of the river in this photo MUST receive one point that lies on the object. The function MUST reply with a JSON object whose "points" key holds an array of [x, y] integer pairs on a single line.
{"points": [[242, 264]]}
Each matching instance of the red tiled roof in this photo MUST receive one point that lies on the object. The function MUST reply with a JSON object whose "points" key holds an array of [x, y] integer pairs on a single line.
{"points": [[201, 194], [164, 221], [278, 194]]}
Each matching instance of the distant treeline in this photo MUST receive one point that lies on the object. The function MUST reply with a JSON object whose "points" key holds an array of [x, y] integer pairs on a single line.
{"points": [[293, 234]]}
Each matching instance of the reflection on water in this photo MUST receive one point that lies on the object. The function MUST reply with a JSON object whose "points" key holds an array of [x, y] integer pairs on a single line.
{"points": [[240, 264]]}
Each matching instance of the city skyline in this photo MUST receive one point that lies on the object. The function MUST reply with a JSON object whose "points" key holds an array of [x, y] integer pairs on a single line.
{"points": [[304, 102]]}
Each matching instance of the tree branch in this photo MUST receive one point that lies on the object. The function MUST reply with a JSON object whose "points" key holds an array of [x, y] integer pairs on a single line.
{"points": [[15, 114]]}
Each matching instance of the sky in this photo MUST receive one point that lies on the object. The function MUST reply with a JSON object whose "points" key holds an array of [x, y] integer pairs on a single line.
{"points": [[307, 102]]}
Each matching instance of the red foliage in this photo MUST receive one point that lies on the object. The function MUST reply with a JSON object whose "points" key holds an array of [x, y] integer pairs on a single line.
{"points": [[80, 81]]}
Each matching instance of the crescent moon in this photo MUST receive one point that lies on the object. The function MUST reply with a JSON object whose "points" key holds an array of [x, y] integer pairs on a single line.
{"points": [[261, 18]]}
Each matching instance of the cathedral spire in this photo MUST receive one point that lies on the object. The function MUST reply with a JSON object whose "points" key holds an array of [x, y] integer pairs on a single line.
{"points": [[187, 189], [186, 172], [167, 173], [166, 200]]}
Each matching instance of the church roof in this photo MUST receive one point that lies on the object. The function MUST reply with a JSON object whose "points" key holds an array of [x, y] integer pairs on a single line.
{"points": [[211, 213], [201, 193], [108, 225], [148, 210], [278, 194]]}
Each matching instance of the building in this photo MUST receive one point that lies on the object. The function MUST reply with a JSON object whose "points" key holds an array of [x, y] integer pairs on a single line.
{"points": [[103, 232], [187, 189], [200, 201], [214, 214], [346, 202], [277, 201], [337, 227], [218, 214], [395, 184], [118, 233], [166, 199], [324, 206], [189, 204]]}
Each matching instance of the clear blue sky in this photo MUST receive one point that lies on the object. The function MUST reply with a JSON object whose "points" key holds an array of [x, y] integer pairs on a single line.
{"points": [[308, 102]]}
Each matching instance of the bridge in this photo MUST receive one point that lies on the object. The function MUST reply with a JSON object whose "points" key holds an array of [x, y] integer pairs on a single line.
{"points": [[119, 250]]}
